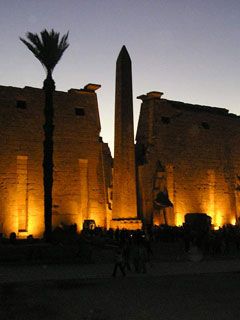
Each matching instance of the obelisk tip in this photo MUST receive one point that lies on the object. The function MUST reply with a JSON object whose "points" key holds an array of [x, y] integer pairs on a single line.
{"points": [[123, 54]]}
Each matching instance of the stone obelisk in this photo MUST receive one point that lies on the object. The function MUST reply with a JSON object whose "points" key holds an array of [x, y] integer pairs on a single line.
{"points": [[124, 175]]}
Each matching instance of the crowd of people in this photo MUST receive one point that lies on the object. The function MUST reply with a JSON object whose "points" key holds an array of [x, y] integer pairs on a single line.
{"points": [[211, 241], [133, 249], [133, 253]]}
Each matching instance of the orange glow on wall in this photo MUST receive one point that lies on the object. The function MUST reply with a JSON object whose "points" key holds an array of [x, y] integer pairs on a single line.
{"points": [[35, 217], [217, 218], [94, 216], [130, 224], [179, 219]]}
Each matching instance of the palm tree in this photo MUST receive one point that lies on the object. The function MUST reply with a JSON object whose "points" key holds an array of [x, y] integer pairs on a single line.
{"points": [[48, 48]]}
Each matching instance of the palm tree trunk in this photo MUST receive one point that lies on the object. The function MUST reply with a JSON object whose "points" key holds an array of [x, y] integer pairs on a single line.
{"points": [[49, 87]]}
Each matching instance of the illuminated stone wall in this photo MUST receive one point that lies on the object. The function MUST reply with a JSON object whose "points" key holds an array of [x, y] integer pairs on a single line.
{"points": [[81, 160], [199, 149]]}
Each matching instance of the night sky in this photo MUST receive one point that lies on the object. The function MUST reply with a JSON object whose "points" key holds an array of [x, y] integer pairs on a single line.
{"points": [[188, 49]]}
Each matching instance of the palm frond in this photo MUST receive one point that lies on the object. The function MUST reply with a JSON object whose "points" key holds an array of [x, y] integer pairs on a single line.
{"points": [[47, 47]]}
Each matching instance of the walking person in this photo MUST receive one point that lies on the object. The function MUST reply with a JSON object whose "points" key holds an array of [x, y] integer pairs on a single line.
{"points": [[119, 262], [126, 255], [142, 257]]}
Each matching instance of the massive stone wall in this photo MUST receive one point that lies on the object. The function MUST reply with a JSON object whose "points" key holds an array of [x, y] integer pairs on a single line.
{"points": [[198, 148], [191, 151], [81, 160]]}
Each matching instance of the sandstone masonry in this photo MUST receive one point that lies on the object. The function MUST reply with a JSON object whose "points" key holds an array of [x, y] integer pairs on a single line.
{"points": [[82, 162], [192, 152], [197, 149]]}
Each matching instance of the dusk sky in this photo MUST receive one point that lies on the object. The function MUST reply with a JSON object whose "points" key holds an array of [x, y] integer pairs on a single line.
{"points": [[188, 49]]}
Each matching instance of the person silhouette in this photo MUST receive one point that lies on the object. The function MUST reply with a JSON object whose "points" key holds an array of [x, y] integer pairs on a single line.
{"points": [[119, 261]]}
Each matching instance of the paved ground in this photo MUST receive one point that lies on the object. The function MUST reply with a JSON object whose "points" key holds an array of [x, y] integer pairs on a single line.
{"points": [[173, 288], [31, 273], [170, 290], [73, 292]]}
